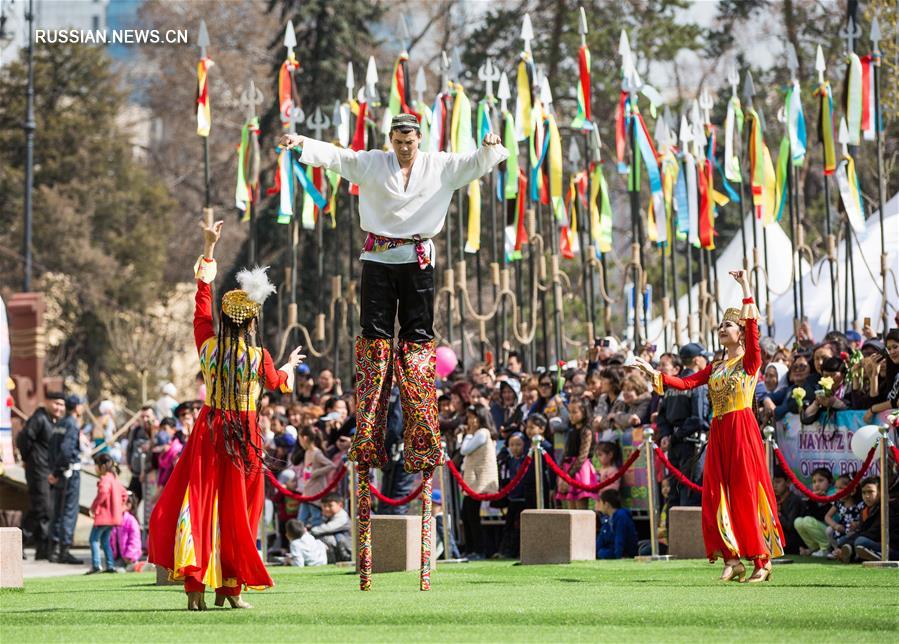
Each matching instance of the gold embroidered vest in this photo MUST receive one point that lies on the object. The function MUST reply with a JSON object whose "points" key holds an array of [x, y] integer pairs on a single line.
{"points": [[730, 387], [247, 369]]}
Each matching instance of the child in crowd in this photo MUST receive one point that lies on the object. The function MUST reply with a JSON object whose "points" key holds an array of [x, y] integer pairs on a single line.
{"points": [[810, 524], [316, 470], [509, 460], [107, 511], [843, 517], [578, 458], [609, 456], [617, 536], [479, 471], [789, 506], [126, 539], [334, 529], [537, 426], [305, 550], [865, 543]]}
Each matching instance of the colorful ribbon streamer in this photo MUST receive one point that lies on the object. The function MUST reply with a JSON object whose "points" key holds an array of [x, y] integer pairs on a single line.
{"points": [[247, 188], [764, 178], [869, 109], [852, 97], [825, 126], [850, 193], [601, 216], [204, 113], [288, 98], [583, 119], [523, 100], [731, 160], [795, 124], [400, 90], [650, 160]]}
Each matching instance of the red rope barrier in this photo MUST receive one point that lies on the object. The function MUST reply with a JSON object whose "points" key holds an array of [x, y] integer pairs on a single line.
{"points": [[496, 496], [833, 497], [562, 474], [307, 499], [676, 473], [395, 502], [895, 451]]}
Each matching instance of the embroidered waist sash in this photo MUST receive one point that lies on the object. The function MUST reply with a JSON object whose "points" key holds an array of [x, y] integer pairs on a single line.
{"points": [[378, 243]]}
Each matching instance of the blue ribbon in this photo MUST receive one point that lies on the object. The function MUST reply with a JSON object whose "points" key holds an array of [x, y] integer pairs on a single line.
{"points": [[535, 195], [310, 189], [680, 197]]}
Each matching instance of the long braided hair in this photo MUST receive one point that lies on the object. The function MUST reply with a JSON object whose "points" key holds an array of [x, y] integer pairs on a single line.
{"points": [[231, 386]]}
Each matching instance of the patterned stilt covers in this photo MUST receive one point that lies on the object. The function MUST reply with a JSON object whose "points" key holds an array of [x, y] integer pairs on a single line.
{"points": [[374, 379], [425, 573], [416, 367], [364, 497]]}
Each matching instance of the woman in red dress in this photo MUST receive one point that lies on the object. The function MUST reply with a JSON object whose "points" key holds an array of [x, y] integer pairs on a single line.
{"points": [[203, 528], [739, 511]]}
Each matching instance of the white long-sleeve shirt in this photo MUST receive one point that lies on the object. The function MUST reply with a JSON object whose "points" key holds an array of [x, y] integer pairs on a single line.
{"points": [[308, 551], [390, 209]]}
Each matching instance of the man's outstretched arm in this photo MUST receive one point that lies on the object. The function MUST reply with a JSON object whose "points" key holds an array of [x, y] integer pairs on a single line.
{"points": [[349, 164], [462, 169]]}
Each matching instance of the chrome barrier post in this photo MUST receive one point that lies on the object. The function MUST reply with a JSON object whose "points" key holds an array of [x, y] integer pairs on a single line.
{"points": [[768, 433], [537, 456], [884, 503], [649, 445]]}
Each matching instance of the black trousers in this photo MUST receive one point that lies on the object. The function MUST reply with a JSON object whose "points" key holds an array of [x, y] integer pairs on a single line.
{"points": [[37, 520], [389, 290]]}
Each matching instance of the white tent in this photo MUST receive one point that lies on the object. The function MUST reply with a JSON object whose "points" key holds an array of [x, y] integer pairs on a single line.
{"points": [[817, 296]]}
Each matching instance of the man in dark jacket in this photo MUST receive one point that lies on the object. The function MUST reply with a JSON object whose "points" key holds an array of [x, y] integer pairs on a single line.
{"points": [[65, 477], [33, 443], [683, 416]]}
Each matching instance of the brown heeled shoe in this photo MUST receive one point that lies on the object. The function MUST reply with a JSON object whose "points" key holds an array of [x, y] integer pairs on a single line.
{"points": [[733, 572], [760, 574], [234, 600], [196, 601]]}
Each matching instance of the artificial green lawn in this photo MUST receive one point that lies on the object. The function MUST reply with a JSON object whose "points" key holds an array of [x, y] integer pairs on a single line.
{"points": [[487, 601]]}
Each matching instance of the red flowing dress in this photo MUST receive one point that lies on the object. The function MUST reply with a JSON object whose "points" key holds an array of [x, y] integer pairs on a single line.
{"points": [[204, 526], [739, 509]]}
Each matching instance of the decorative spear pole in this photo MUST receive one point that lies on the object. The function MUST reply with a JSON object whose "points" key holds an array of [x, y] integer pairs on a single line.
{"points": [[204, 119], [706, 104], [350, 85], [249, 99], [504, 94], [689, 170], [318, 123], [795, 261], [732, 170], [851, 32], [881, 180], [546, 98], [294, 116], [825, 136], [444, 89], [629, 85], [456, 67], [490, 75], [748, 93], [585, 121], [672, 143], [525, 127]]}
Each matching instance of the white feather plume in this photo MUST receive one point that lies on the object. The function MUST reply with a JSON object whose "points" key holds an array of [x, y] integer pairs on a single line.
{"points": [[256, 283]]}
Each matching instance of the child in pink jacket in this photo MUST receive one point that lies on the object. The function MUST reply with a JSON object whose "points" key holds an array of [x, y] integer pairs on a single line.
{"points": [[126, 539], [107, 511]]}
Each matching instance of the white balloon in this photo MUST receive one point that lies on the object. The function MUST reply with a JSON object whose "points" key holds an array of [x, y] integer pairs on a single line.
{"points": [[863, 439]]}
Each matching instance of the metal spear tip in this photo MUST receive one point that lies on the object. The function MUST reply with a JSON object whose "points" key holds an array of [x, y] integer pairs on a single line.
{"points": [[444, 61], [404, 31], [290, 36], [421, 83], [748, 86], [843, 135], [546, 95], [685, 135], [503, 92], [792, 61], [527, 29], [875, 32], [457, 64], [661, 133], [574, 152], [203, 36], [820, 64], [582, 22], [350, 80], [371, 73], [624, 45]]}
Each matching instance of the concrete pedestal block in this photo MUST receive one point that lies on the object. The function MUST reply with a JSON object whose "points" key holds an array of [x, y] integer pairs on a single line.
{"points": [[396, 543], [11, 558], [685, 533], [557, 536]]}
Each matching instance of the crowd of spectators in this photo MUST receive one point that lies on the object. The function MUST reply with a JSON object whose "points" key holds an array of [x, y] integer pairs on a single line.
{"points": [[586, 414]]}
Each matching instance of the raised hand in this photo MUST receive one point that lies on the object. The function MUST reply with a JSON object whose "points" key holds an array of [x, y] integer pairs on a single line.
{"points": [[212, 232], [642, 365], [296, 358], [742, 279], [290, 141], [492, 139]]}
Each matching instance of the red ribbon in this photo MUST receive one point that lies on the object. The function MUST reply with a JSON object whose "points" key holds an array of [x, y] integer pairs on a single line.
{"points": [[496, 496], [395, 502], [306, 499], [562, 474], [846, 491], [676, 473]]}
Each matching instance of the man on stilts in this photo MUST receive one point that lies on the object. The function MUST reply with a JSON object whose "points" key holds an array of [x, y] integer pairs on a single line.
{"points": [[404, 195]]}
